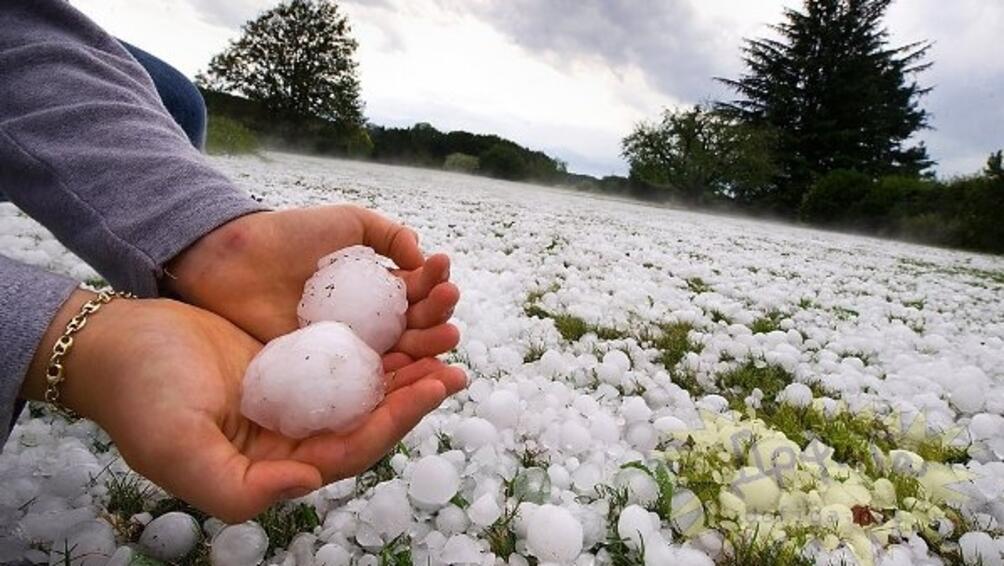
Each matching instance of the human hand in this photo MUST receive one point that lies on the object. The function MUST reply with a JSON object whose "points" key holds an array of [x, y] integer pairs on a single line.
{"points": [[164, 380], [252, 270]]}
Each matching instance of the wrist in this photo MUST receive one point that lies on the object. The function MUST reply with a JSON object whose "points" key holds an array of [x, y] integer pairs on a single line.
{"points": [[82, 368], [207, 255]]}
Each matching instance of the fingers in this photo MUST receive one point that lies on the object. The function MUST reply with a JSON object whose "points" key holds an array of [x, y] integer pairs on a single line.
{"points": [[428, 342], [413, 372], [436, 308], [339, 457], [207, 471], [390, 239], [395, 361], [420, 282]]}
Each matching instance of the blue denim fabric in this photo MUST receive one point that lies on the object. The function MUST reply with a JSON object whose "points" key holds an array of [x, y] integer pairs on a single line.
{"points": [[183, 101]]}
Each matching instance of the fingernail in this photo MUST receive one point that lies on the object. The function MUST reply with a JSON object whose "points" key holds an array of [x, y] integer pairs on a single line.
{"points": [[295, 493]]}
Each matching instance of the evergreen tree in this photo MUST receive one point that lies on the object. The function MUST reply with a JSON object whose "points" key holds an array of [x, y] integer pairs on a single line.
{"points": [[837, 95], [297, 59]]}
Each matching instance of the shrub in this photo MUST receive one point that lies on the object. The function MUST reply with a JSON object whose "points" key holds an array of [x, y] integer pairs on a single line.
{"points": [[461, 163], [504, 162], [227, 136], [832, 196]]}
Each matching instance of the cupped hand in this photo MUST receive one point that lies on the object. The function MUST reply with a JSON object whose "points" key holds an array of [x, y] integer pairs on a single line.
{"points": [[164, 378], [251, 271]]}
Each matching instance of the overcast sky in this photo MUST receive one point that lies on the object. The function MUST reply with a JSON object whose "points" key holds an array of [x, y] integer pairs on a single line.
{"points": [[571, 77]]}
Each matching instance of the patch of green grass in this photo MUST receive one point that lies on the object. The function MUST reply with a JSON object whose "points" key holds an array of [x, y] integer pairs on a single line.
{"points": [[226, 136], [97, 282], [918, 304], [169, 504], [935, 449], [127, 494], [533, 458], [698, 286], [381, 471], [844, 313], [906, 486], [750, 549], [571, 327], [501, 535], [700, 472], [620, 553], [534, 353], [767, 323], [674, 342], [397, 552], [284, 521], [806, 303], [740, 382], [718, 316]]}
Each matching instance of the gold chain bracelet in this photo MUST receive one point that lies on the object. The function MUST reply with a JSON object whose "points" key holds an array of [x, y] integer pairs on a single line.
{"points": [[55, 373]]}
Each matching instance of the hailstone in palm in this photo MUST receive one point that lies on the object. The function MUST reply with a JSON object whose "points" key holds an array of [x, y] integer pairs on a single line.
{"points": [[353, 287], [319, 378]]}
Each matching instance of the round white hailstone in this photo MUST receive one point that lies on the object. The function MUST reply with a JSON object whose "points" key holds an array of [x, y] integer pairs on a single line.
{"points": [[352, 287], [980, 548], [670, 425], [434, 482], [559, 476], [586, 476], [239, 545], [332, 555], [604, 428], [122, 557], [170, 537], [986, 425], [641, 487], [461, 549], [91, 543], [797, 395], [758, 490], [610, 373], [969, 397], [634, 409], [71, 481], [553, 363], [388, 510], [553, 534], [322, 377], [451, 520], [642, 437], [636, 526], [501, 409], [618, 358], [475, 432], [658, 552], [574, 437], [690, 557], [484, 511]]}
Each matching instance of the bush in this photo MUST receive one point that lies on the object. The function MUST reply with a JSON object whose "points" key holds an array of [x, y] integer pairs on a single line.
{"points": [[228, 136], [461, 163], [831, 198], [504, 162], [979, 210]]}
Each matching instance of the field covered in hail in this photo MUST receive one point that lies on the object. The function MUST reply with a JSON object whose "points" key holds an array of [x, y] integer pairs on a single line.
{"points": [[648, 386]]}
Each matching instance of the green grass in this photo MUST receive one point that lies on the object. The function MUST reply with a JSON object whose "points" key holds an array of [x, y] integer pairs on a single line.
{"points": [[673, 343], [698, 286], [381, 471], [284, 521], [750, 549], [397, 552], [571, 327], [501, 535], [225, 136], [767, 323], [127, 494]]}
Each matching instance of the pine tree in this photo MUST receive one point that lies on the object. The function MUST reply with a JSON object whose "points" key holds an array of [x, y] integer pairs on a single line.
{"points": [[297, 59], [836, 94]]}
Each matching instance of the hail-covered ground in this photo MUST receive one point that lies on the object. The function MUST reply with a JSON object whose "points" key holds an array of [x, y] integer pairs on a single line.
{"points": [[648, 386]]}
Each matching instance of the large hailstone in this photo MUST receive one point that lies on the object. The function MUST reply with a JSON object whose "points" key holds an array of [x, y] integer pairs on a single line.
{"points": [[318, 378], [352, 286]]}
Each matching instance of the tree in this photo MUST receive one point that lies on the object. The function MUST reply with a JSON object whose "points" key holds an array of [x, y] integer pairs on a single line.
{"points": [[995, 168], [699, 154], [838, 96], [297, 59]]}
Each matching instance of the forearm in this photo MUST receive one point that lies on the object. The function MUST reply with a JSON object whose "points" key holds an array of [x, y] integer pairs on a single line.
{"points": [[87, 148], [30, 300]]}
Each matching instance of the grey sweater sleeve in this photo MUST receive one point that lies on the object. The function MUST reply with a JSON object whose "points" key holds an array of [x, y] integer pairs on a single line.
{"points": [[29, 299], [88, 150]]}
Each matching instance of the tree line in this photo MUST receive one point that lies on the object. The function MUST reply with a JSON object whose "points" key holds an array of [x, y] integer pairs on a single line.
{"points": [[821, 129]]}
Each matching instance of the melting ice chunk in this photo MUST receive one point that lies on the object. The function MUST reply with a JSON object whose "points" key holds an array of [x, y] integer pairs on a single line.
{"points": [[351, 286], [322, 377]]}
